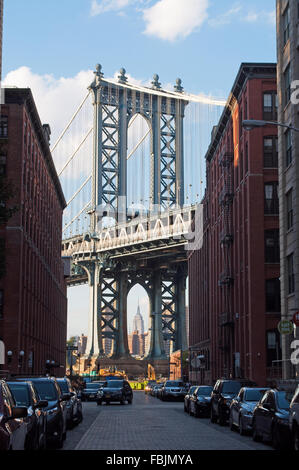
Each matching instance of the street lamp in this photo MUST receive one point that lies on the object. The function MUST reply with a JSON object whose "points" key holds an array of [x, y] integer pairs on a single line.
{"points": [[250, 124], [21, 355]]}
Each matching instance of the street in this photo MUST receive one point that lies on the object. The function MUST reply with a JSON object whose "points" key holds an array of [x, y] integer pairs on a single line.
{"points": [[150, 424]]}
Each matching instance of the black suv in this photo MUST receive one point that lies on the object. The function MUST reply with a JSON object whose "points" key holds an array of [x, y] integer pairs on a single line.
{"points": [[223, 392], [73, 405], [48, 389], [115, 390]]}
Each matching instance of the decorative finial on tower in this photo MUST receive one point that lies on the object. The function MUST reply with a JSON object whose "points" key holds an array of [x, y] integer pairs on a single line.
{"points": [[122, 77], [155, 82], [178, 87], [98, 73]]}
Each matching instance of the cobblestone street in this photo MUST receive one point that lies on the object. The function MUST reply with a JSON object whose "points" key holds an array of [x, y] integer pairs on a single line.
{"points": [[150, 424]]}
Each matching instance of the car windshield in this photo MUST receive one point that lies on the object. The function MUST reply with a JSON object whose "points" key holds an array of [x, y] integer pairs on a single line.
{"points": [[20, 393], [231, 387], [174, 384], [253, 395], [204, 391], [114, 384], [93, 386], [63, 386], [46, 390], [284, 400]]}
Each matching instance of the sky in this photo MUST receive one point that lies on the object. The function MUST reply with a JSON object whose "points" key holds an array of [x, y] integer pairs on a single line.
{"points": [[53, 46]]}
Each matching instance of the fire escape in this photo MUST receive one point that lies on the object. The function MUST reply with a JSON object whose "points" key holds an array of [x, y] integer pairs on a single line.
{"points": [[226, 317]]}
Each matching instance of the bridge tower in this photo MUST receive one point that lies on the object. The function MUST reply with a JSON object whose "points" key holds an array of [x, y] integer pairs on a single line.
{"points": [[110, 279]]}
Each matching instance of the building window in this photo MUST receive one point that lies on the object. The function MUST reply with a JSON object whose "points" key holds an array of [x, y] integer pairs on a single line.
{"points": [[273, 295], [2, 165], [291, 275], [3, 126], [270, 152], [271, 199], [273, 349], [270, 106], [286, 25], [287, 84], [272, 251], [289, 201], [288, 144]]}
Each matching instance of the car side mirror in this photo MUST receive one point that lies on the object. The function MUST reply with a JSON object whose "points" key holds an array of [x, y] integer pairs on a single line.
{"points": [[41, 404], [18, 412], [65, 397]]}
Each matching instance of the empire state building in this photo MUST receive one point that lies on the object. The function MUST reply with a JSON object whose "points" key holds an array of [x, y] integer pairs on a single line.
{"points": [[138, 322]]}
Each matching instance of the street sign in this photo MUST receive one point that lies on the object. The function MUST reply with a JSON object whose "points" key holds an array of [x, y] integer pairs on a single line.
{"points": [[285, 327], [72, 348], [296, 318]]}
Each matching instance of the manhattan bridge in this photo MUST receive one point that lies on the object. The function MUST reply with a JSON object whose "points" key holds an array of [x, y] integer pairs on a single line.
{"points": [[131, 165]]}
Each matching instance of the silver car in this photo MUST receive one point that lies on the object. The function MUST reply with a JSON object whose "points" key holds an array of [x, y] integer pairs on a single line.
{"points": [[242, 406], [173, 389]]}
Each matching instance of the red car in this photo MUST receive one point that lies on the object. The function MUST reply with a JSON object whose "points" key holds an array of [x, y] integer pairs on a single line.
{"points": [[13, 429]]}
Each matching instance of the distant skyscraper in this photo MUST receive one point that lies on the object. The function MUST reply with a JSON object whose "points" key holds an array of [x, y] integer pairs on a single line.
{"points": [[138, 322]]}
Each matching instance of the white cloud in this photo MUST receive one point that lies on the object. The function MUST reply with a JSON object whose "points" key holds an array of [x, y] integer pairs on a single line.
{"points": [[227, 17], [56, 98], [99, 7], [174, 19], [265, 16]]}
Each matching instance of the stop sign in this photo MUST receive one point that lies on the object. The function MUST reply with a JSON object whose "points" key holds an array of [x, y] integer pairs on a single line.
{"points": [[296, 318]]}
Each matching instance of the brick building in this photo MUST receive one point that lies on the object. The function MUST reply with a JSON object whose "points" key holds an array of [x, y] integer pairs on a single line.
{"points": [[33, 313], [234, 301]]}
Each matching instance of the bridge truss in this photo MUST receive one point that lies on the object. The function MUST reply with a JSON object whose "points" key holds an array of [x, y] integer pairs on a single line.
{"points": [[122, 167]]}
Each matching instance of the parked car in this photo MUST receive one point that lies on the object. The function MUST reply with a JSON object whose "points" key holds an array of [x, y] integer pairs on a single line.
{"points": [[13, 428], [89, 393], [200, 401], [48, 389], [222, 395], [25, 395], [115, 390], [73, 404], [159, 390], [242, 406], [187, 397], [149, 385], [294, 419], [271, 419], [173, 389], [156, 390]]}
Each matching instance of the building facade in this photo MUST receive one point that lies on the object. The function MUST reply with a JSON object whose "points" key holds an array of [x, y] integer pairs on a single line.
{"points": [[234, 302], [33, 302], [288, 149]]}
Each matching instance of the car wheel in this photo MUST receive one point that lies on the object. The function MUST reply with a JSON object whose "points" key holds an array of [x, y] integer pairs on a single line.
{"points": [[60, 441], [296, 438], [213, 417], [130, 401], [241, 427], [231, 423], [107, 402], [99, 403], [255, 436], [276, 440], [221, 419]]}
